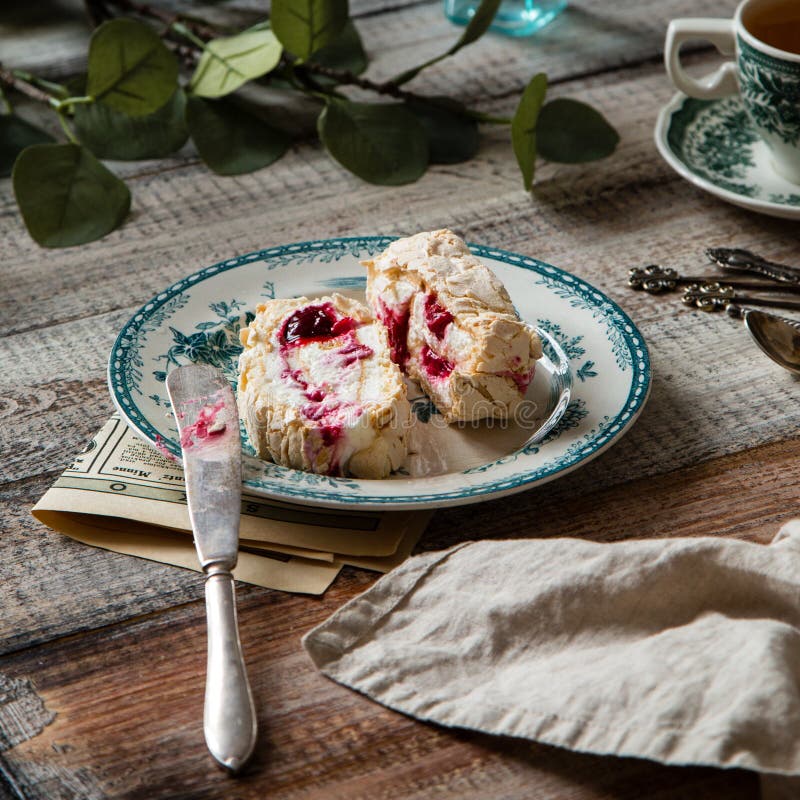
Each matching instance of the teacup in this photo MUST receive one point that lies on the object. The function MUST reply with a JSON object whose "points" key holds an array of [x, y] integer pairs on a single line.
{"points": [[766, 76]]}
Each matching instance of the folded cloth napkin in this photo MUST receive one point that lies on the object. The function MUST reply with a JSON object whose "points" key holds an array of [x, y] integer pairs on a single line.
{"points": [[684, 651]]}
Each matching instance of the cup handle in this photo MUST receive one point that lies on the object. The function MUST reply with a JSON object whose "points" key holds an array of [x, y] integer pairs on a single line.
{"points": [[719, 32]]}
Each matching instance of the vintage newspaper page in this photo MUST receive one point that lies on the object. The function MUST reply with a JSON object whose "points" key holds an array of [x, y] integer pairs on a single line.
{"points": [[123, 495]]}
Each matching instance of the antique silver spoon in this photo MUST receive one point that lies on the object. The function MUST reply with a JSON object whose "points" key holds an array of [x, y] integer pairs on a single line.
{"points": [[655, 279], [778, 337], [718, 297], [734, 259]]}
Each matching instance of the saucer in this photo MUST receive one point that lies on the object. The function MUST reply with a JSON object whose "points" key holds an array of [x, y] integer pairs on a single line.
{"points": [[713, 144]]}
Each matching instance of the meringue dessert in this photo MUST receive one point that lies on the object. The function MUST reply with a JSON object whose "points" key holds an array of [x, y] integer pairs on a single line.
{"points": [[452, 326], [318, 390]]}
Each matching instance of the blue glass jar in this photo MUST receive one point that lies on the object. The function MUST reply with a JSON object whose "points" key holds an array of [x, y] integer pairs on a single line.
{"points": [[514, 17]]}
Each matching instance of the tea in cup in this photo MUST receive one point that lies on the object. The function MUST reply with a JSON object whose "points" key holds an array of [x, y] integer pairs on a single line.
{"points": [[764, 36]]}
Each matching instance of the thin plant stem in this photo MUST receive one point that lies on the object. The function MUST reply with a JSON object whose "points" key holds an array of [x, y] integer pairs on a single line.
{"points": [[201, 29], [182, 30], [13, 80], [66, 128], [68, 102]]}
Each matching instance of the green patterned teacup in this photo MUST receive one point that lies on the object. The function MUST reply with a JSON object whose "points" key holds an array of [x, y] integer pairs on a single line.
{"points": [[767, 78]]}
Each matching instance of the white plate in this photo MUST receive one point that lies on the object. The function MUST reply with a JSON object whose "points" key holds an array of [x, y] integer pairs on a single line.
{"points": [[198, 318], [713, 144]]}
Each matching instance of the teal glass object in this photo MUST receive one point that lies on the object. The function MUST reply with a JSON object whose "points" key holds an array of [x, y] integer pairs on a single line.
{"points": [[514, 17]]}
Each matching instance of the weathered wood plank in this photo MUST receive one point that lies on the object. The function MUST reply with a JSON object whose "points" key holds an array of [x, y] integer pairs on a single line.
{"points": [[51, 36], [187, 217], [589, 36], [581, 219], [116, 647], [128, 704], [96, 588], [747, 495], [51, 586]]}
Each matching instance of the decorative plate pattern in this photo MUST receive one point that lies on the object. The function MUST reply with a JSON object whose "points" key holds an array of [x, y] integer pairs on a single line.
{"points": [[714, 144], [198, 319]]}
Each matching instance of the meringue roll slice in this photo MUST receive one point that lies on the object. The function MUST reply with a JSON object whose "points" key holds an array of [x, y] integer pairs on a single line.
{"points": [[452, 326], [318, 390]]}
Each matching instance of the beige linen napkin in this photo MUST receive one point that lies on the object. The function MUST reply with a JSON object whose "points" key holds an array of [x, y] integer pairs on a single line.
{"points": [[685, 651]]}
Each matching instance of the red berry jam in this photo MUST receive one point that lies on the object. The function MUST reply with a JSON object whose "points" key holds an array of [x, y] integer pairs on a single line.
{"points": [[436, 366], [314, 323], [330, 436], [522, 379], [396, 323], [354, 351], [204, 427], [437, 317]]}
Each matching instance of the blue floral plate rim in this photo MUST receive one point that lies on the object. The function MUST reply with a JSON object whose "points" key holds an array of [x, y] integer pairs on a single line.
{"points": [[479, 484]]}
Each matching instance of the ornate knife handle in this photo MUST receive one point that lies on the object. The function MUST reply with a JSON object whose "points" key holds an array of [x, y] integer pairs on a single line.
{"points": [[737, 260], [229, 719]]}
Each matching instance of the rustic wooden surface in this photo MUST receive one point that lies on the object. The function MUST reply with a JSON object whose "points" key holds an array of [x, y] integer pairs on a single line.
{"points": [[103, 656]]}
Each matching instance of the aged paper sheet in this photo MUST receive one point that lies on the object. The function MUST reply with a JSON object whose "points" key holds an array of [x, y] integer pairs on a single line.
{"points": [[123, 495]]}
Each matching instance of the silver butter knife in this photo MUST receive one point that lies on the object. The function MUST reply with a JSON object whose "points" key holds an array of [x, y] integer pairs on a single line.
{"points": [[205, 410]]}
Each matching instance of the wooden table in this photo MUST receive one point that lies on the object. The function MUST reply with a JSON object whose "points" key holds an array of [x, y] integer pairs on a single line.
{"points": [[103, 655]]}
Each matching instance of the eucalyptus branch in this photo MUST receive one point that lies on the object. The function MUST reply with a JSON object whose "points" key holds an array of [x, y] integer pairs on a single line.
{"points": [[142, 110], [346, 78], [20, 82], [392, 89], [193, 31], [202, 29], [304, 82], [32, 87]]}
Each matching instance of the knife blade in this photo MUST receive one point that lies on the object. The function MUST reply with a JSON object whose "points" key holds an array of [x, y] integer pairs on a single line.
{"points": [[205, 411]]}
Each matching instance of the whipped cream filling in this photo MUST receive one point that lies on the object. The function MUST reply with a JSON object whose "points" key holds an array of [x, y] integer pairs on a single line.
{"points": [[318, 390], [331, 381]]}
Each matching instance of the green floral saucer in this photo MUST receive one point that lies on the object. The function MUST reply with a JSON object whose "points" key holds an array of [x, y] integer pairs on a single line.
{"points": [[713, 144]]}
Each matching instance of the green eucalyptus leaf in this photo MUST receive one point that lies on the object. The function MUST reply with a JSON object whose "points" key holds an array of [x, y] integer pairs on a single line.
{"points": [[67, 196], [230, 139], [346, 52], [452, 137], [112, 134], [478, 24], [381, 143], [572, 132], [15, 135], [228, 63], [306, 26], [524, 127], [130, 68]]}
